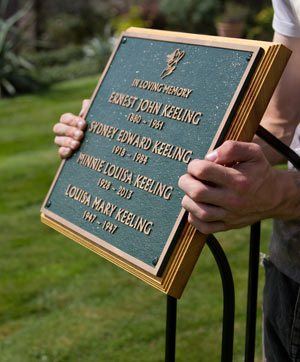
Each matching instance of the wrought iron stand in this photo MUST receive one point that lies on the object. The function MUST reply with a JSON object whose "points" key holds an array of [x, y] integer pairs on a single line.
{"points": [[227, 281], [228, 307]]}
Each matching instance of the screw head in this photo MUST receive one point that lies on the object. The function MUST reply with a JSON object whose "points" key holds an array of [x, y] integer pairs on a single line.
{"points": [[155, 261]]}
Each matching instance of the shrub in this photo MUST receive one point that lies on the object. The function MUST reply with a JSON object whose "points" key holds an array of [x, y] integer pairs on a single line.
{"points": [[65, 29], [71, 62], [98, 50], [56, 57], [191, 15], [73, 70], [262, 25], [132, 18], [14, 68], [233, 13]]}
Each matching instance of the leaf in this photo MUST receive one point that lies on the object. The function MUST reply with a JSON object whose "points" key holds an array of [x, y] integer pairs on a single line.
{"points": [[19, 14], [8, 86], [25, 63]]}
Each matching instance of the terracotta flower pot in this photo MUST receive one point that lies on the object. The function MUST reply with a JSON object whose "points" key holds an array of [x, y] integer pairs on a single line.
{"points": [[233, 30]]}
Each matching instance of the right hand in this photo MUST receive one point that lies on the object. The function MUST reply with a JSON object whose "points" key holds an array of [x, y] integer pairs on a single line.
{"points": [[69, 131], [236, 186]]}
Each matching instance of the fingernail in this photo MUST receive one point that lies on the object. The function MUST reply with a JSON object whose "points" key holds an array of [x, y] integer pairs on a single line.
{"points": [[81, 124], [212, 156], [78, 134], [74, 144], [81, 113], [65, 153]]}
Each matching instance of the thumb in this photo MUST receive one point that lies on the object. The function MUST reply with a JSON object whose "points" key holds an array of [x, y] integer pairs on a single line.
{"points": [[84, 107], [232, 152]]}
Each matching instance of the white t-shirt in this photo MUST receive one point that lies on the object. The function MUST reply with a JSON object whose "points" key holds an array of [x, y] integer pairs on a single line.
{"points": [[286, 19]]}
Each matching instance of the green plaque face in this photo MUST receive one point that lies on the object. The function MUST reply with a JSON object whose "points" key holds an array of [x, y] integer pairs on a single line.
{"points": [[159, 104]]}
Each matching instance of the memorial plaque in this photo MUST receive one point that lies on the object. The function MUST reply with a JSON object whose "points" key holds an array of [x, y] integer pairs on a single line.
{"points": [[163, 100]]}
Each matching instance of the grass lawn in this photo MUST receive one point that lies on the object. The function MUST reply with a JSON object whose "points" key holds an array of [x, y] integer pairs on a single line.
{"points": [[60, 302]]}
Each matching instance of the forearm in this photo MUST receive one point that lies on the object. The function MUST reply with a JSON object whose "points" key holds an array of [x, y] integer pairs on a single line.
{"points": [[272, 155], [283, 113], [280, 128], [288, 195]]}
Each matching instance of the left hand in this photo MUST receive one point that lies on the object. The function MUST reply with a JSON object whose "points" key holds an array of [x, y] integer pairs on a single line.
{"points": [[233, 187], [69, 131]]}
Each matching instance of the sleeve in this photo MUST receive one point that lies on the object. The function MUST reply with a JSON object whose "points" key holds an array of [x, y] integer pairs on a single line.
{"points": [[286, 20]]}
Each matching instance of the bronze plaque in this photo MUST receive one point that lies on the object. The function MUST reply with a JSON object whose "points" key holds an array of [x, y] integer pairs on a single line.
{"points": [[161, 102]]}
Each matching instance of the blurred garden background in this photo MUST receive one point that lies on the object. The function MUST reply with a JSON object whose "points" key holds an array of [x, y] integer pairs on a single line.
{"points": [[60, 302]]}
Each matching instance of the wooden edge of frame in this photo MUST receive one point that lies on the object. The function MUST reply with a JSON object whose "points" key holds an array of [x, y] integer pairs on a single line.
{"points": [[209, 38]]}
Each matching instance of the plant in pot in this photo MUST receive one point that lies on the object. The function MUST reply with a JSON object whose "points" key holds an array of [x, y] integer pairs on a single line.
{"points": [[231, 23]]}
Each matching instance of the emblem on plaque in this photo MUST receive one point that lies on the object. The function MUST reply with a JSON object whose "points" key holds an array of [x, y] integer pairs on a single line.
{"points": [[172, 60]]}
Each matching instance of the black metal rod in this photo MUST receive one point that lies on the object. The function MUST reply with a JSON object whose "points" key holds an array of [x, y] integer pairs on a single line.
{"points": [[228, 298], [292, 156], [279, 146], [252, 292], [171, 329]]}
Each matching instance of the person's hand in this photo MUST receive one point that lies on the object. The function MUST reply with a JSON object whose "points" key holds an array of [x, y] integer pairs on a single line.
{"points": [[233, 187], [70, 130]]}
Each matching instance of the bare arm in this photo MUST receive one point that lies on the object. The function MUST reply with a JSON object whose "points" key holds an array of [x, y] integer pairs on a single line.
{"points": [[283, 113]]}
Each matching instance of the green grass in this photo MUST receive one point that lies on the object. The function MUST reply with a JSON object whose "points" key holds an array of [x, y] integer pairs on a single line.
{"points": [[59, 302]]}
